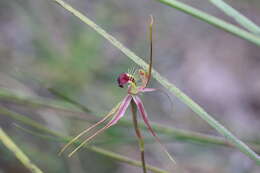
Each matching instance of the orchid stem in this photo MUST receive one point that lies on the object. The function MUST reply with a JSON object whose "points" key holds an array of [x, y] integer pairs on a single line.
{"points": [[138, 134]]}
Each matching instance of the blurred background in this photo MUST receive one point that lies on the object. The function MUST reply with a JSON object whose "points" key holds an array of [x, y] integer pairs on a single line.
{"points": [[42, 46]]}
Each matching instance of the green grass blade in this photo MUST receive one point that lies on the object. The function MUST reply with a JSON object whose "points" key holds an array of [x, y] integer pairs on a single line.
{"points": [[174, 90], [239, 18], [212, 20], [7, 141]]}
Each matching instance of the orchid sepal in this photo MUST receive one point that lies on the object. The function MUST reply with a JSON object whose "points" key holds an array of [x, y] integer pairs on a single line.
{"points": [[147, 89], [144, 115], [117, 116]]}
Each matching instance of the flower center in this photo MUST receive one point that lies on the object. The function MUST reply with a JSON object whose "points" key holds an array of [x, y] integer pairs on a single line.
{"points": [[124, 78]]}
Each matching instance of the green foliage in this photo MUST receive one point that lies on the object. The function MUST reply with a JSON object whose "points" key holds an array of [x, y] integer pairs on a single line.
{"points": [[173, 89], [68, 59]]}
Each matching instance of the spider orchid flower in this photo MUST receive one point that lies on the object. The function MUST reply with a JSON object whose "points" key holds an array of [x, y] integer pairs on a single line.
{"points": [[137, 84], [134, 92]]}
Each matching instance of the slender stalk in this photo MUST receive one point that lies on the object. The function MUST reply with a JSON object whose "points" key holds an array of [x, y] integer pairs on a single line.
{"points": [[212, 20], [171, 87], [20, 155], [138, 134], [239, 18], [27, 121]]}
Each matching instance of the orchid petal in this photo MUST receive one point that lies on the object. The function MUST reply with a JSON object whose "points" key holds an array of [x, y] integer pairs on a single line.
{"points": [[113, 111], [143, 113], [121, 111], [119, 114], [147, 89]]}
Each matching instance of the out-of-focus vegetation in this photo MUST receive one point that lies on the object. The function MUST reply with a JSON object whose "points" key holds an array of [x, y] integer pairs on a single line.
{"points": [[42, 47]]}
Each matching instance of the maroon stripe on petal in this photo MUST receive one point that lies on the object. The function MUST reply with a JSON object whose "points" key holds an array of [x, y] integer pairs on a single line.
{"points": [[121, 111], [119, 114], [144, 115]]}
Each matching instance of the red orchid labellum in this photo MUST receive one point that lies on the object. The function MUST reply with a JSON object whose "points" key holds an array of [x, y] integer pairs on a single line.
{"points": [[123, 79], [137, 84]]}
